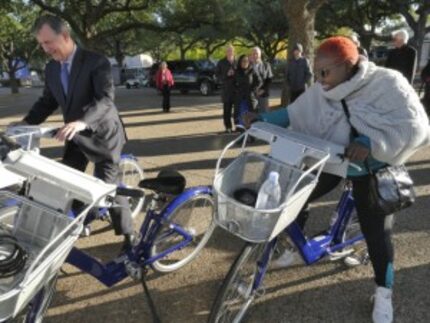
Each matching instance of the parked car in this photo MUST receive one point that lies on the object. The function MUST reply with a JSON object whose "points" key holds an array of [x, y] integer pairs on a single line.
{"points": [[140, 81], [190, 75]]}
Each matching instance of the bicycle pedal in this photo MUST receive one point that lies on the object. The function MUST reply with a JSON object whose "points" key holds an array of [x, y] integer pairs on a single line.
{"points": [[133, 270], [336, 255], [261, 291], [86, 231]]}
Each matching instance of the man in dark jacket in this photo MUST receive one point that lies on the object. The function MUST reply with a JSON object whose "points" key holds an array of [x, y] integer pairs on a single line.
{"points": [[225, 71], [425, 79], [80, 83], [403, 57], [298, 73]]}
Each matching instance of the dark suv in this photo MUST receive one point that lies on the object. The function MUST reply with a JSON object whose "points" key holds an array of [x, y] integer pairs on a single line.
{"points": [[191, 75]]}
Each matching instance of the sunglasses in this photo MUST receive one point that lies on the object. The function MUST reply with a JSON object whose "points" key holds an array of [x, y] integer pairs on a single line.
{"points": [[325, 72]]}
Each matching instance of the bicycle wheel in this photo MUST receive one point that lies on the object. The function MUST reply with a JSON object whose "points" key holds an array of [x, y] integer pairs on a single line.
{"points": [[237, 291], [40, 303], [130, 174], [194, 215]]}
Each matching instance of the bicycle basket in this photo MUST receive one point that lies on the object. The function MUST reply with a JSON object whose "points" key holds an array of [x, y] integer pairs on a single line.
{"points": [[28, 137], [46, 236], [248, 171]]}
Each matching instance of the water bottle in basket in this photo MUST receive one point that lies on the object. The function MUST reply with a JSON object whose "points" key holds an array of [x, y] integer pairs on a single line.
{"points": [[269, 194]]}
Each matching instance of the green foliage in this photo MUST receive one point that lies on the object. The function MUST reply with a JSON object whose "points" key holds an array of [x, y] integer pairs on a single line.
{"points": [[17, 44], [264, 25]]}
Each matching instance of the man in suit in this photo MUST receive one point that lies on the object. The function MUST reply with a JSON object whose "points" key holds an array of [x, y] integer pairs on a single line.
{"points": [[80, 83], [225, 71]]}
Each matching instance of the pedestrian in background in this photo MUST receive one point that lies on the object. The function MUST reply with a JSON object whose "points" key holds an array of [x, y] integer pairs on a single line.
{"points": [[247, 82], [164, 82], [264, 72], [403, 57], [362, 51], [298, 73], [225, 72], [425, 79]]}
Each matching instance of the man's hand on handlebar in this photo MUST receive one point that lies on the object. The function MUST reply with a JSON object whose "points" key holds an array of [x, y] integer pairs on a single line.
{"points": [[250, 117], [69, 130]]}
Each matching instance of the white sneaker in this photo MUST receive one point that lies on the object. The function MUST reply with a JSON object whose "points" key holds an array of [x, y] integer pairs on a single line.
{"points": [[288, 258], [382, 305]]}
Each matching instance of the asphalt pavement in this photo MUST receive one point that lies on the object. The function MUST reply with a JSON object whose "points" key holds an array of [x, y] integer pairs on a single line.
{"points": [[188, 139]]}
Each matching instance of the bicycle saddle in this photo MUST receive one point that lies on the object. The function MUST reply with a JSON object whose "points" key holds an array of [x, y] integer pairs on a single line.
{"points": [[168, 181]]}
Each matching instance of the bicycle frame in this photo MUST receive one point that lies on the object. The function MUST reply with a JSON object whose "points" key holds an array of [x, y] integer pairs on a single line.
{"points": [[314, 249], [116, 270]]}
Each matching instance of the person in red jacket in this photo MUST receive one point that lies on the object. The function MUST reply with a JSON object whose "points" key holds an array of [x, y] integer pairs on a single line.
{"points": [[164, 82]]}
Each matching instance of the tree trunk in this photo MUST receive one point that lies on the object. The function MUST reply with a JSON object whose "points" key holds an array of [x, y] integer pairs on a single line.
{"points": [[417, 42], [183, 52], [119, 54], [301, 22], [12, 65], [14, 83]]}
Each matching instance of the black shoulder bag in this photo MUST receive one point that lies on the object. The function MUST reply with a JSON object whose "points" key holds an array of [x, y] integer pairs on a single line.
{"points": [[390, 188]]}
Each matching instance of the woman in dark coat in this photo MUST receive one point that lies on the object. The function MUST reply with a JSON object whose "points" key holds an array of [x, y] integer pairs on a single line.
{"points": [[246, 84]]}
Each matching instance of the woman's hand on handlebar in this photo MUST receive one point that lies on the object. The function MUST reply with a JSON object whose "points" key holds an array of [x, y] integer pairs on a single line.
{"points": [[357, 151], [250, 117]]}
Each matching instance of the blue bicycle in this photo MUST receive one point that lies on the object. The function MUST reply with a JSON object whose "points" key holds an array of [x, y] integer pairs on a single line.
{"points": [[290, 155], [130, 172], [177, 225]]}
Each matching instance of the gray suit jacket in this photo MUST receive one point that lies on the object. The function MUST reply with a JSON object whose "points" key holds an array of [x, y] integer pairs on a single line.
{"points": [[90, 99]]}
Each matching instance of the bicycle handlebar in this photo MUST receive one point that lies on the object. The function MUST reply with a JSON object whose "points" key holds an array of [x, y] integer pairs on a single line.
{"points": [[130, 192]]}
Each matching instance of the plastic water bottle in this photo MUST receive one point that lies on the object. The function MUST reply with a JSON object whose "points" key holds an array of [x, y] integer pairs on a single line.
{"points": [[269, 194]]}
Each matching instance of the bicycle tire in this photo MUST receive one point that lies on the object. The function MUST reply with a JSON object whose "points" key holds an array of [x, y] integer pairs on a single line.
{"points": [[130, 174], [238, 284], [194, 214], [36, 311]]}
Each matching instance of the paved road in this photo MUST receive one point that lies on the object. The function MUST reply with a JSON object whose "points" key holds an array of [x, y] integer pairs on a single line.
{"points": [[188, 139]]}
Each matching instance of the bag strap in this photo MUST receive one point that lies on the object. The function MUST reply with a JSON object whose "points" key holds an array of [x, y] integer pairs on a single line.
{"points": [[354, 131]]}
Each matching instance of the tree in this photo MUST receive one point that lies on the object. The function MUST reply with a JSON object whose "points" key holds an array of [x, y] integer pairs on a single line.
{"points": [[210, 17], [263, 25], [93, 22], [301, 21], [17, 45], [364, 17]]}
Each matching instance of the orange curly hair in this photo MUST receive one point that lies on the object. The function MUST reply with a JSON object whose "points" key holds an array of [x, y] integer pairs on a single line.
{"points": [[341, 47]]}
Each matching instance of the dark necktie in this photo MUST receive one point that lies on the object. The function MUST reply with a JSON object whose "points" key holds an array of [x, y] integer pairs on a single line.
{"points": [[65, 77]]}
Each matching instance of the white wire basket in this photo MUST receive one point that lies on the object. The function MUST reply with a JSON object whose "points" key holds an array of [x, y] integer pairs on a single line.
{"points": [[47, 237], [298, 175]]}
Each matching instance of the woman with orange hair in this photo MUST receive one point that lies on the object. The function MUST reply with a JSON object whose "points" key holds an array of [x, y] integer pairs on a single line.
{"points": [[389, 124]]}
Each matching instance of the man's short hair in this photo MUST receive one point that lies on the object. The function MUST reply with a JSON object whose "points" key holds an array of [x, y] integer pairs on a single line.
{"points": [[257, 49], [402, 33], [57, 24]]}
